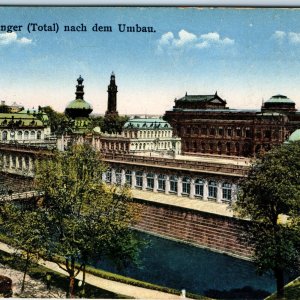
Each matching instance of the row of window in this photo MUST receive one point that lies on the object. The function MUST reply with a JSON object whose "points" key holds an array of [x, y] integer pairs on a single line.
{"points": [[21, 135], [173, 184], [114, 146], [228, 147], [229, 132], [148, 134], [213, 131], [151, 146]]}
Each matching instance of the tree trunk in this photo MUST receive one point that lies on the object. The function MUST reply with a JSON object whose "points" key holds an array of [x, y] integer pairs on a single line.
{"points": [[83, 282], [71, 286], [72, 279], [279, 275], [25, 272]]}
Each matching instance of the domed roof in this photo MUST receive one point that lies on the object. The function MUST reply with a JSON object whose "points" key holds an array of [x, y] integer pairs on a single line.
{"points": [[295, 136], [279, 99], [79, 104], [79, 107]]}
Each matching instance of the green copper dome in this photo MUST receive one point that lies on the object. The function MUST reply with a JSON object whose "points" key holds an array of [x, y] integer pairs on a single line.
{"points": [[280, 99], [78, 107], [295, 136], [79, 104]]}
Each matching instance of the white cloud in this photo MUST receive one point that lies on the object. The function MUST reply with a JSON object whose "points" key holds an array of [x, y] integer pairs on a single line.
{"points": [[290, 37], [166, 38], [185, 37], [188, 39], [9, 38], [24, 40], [294, 37], [279, 35], [211, 36], [202, 45]]}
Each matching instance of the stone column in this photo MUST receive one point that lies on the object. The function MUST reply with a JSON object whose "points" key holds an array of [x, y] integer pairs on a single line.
{"points": [[23, 166], [219, 191], [233, 193], [10, 162], [123, 179], [167, 188], [113, 176], [192, 188], [179, 186], [144, 186], [133, 179], [205, 189], [155, 187], [30, 169]]}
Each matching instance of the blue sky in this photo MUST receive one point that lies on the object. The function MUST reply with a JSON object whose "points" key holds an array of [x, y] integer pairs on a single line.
{"points": [[245, 54]]}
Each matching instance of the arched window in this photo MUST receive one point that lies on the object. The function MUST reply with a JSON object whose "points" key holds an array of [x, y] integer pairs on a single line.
{"points": [[173, 184], [128, 177], [226, 191], [212, 189], [32, 135], [26, 135], [150, 181], [186, 185], [19, 135], [118, 176], [161, 182], [199, 187], [4, 135], [139, 179]]}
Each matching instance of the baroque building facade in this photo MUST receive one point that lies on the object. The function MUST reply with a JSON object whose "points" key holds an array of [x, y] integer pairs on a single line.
{"points": [[24, 126], [207, 126]]}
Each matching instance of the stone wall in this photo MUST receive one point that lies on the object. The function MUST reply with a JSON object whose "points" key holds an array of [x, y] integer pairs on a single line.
{"points": [[15, 183], [216, 232]]}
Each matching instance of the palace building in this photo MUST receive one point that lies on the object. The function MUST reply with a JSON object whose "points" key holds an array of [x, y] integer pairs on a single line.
{"points": [[207, 126], [24, 126]]}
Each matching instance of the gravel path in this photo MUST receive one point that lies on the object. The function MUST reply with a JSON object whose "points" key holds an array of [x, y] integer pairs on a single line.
{"points": [[33, 288]]}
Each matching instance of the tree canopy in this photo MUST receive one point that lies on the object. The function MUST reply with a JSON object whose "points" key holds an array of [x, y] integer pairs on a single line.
{"points": [[270, 197], [59, 122], [85, 216]]}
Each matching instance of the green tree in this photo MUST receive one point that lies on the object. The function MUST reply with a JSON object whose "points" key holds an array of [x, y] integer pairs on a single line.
{"points": [[114, 124], [59, 122], [85, 216], [26, 229], [270, 197]]}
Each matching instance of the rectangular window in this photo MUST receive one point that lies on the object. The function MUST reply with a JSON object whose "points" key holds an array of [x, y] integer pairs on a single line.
{"points": [[229, 131], [173, 184], [220, 131]]}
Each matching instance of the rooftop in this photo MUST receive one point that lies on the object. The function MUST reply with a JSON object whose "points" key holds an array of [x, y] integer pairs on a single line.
{"points": [[147, 123]]}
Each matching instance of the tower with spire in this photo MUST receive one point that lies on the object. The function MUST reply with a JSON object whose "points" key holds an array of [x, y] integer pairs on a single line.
{"points": [[112, 91], [78, 109]]}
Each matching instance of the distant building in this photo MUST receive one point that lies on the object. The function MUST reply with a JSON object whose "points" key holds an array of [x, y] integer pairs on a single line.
{"points": [[25, 126], [207, 126], [151, 135]]}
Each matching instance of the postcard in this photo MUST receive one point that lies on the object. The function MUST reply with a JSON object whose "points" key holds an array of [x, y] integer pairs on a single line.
{"points": [[201, 92]]}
